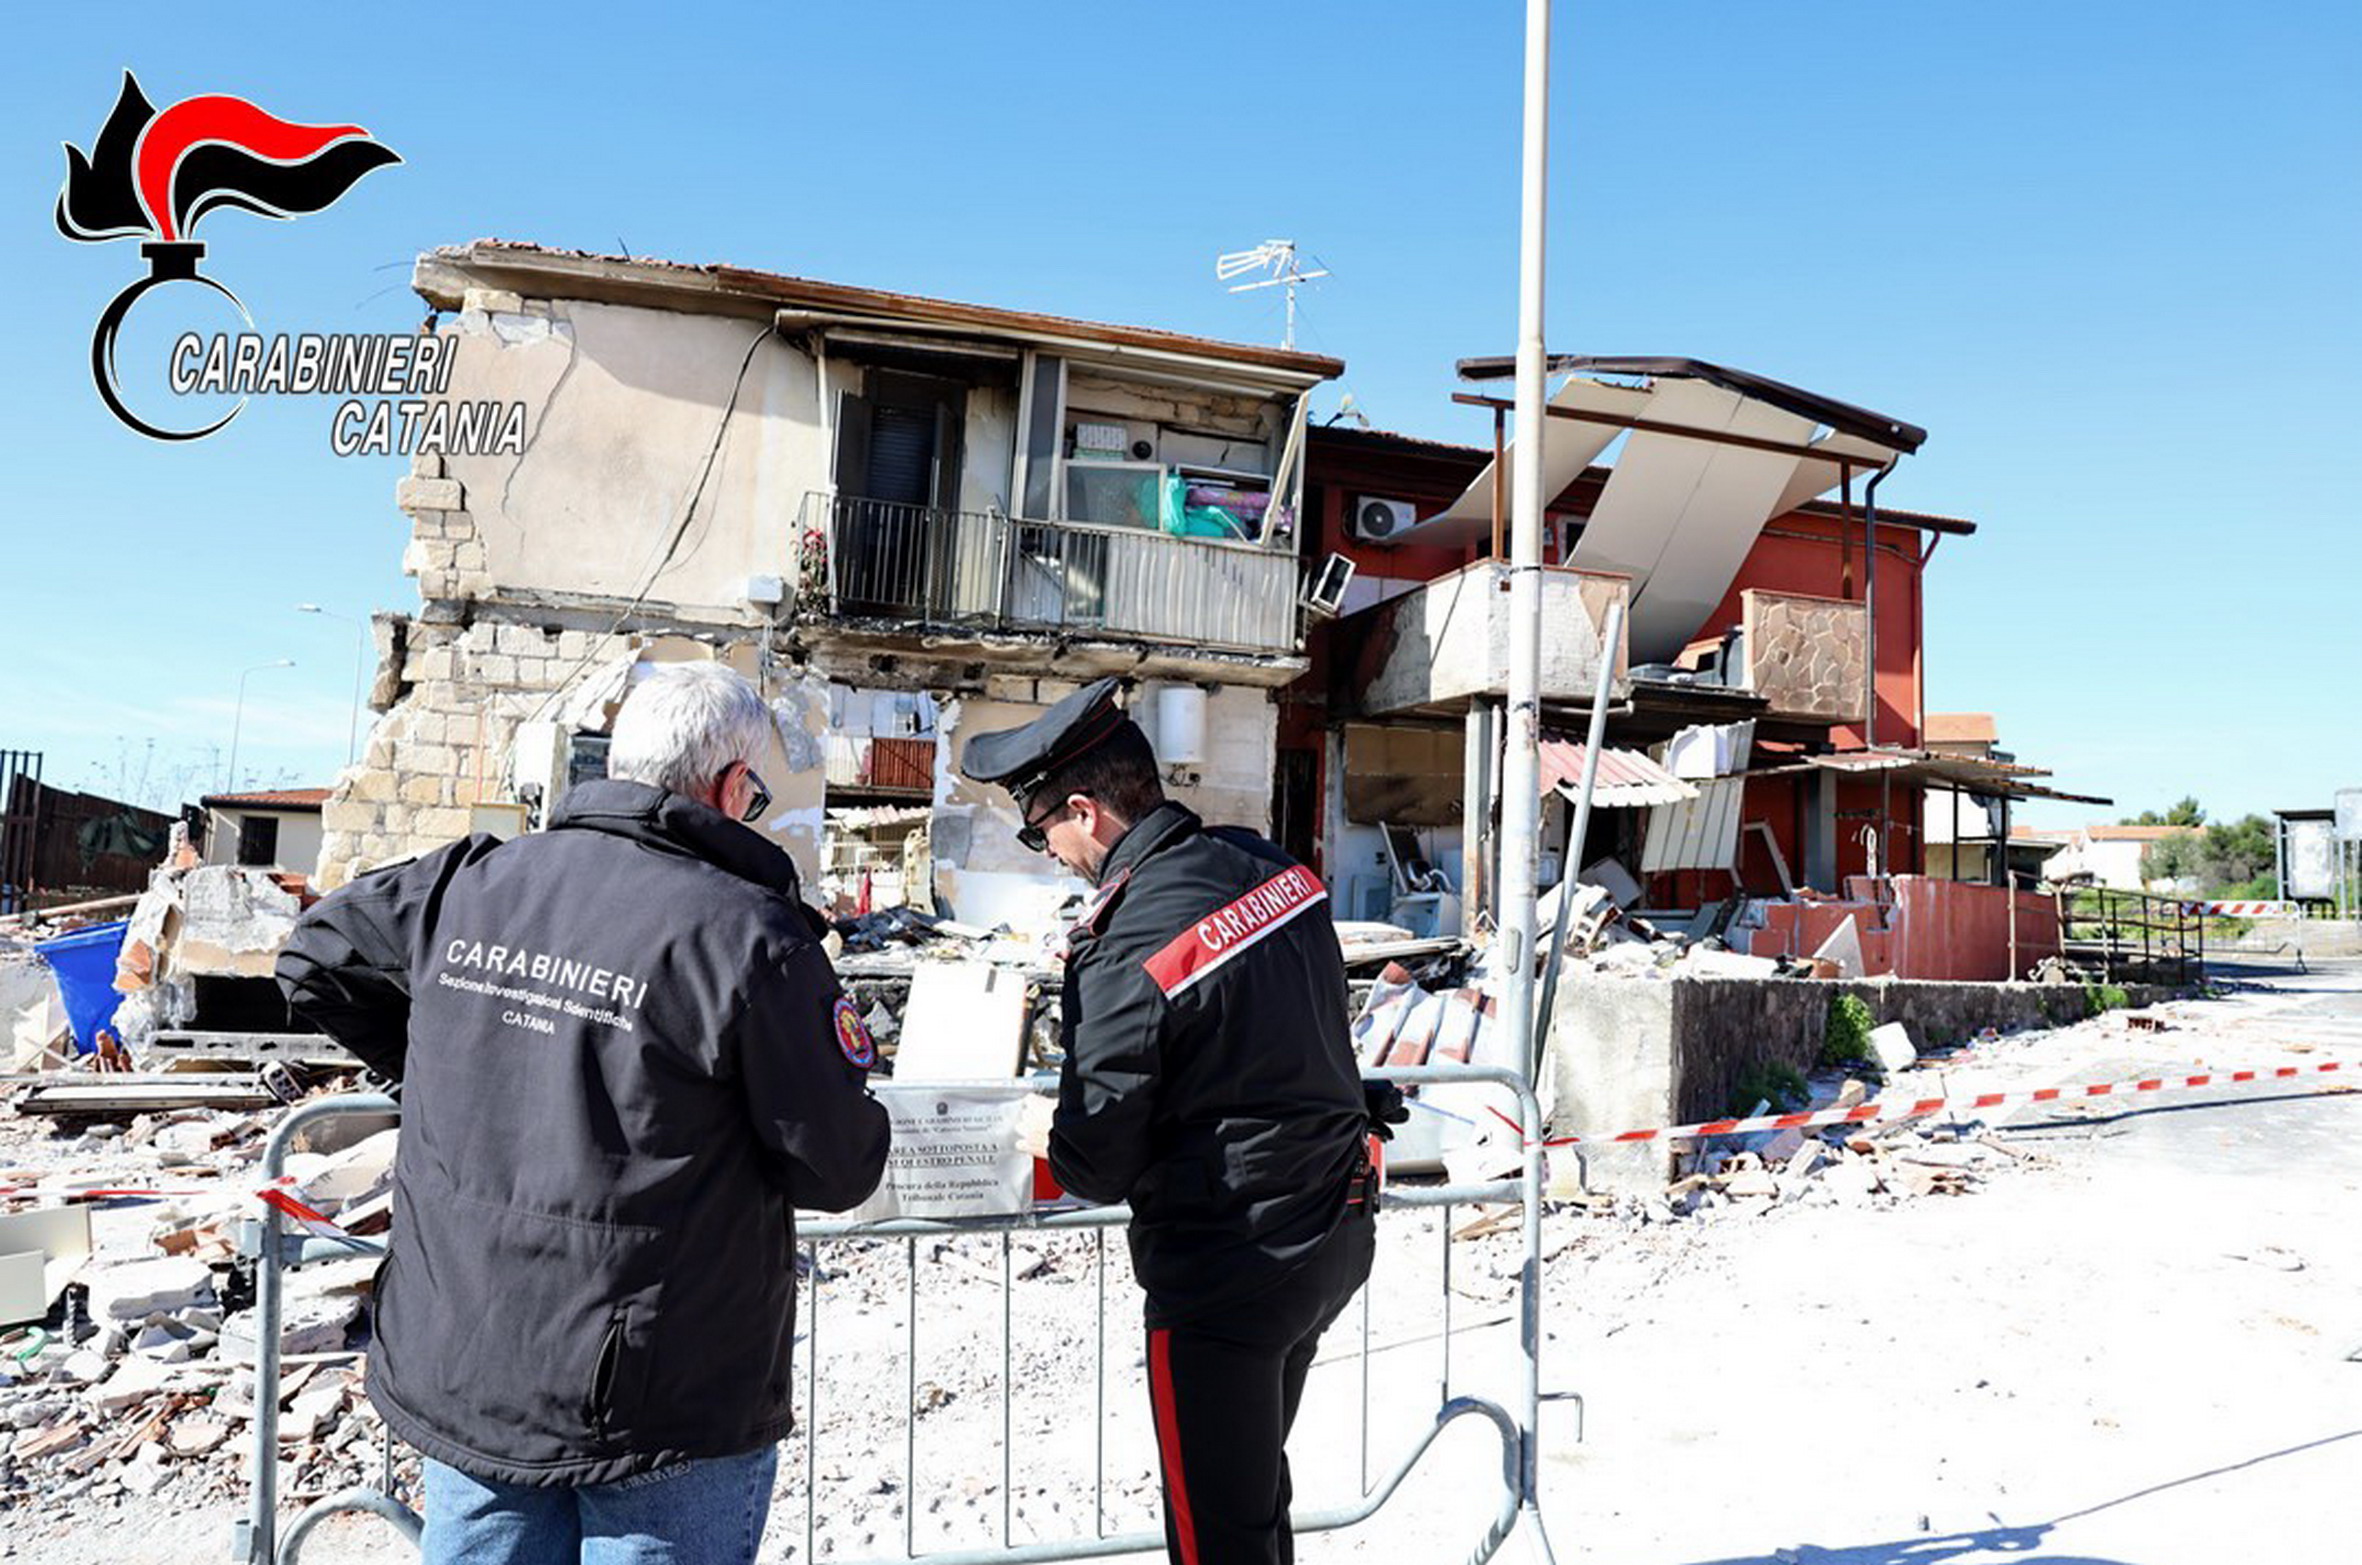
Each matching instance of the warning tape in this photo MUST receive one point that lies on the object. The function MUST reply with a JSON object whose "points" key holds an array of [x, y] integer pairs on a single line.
{"points": [[281, 1198], [1880, 1109]]}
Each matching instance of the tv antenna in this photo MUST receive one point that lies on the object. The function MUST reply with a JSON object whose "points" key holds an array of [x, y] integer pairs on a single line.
{"points": [[1277, 256]]}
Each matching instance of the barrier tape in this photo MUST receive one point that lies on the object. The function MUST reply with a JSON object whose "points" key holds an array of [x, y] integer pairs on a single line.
{"points": [[281, 1198], [1879, 1109]]}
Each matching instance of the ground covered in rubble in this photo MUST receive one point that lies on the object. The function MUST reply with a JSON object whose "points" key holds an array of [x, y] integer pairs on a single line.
{"points": [[2115, 1332]]}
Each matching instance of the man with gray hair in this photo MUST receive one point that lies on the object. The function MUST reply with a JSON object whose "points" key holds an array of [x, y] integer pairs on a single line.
{"points": [[624, 1062]]}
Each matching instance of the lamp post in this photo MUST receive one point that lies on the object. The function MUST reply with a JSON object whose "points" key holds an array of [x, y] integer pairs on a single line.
{"points": [[352, 727], [238, 718], [1521, 790]]}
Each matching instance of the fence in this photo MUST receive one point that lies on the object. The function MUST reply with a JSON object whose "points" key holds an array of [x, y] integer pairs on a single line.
{"points": [[985, 571], [258, 1542], [2132, 937]]}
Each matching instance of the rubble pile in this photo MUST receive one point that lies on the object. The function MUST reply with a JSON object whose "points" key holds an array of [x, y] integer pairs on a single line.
{"points": [[140, 1380]]}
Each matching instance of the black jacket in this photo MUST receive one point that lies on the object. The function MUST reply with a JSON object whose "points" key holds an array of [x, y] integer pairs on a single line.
{"points": [[1209, 1074], [623, 1064]]}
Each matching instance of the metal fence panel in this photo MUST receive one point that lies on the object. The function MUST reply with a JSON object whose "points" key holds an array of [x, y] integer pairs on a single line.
{"points": [[926, 1247]]}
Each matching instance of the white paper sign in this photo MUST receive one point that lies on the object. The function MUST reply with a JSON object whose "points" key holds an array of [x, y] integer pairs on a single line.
{"points": [[954, 1152]]}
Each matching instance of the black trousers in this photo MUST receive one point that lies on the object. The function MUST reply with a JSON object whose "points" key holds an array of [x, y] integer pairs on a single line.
{"points": [[1224, 1389]]}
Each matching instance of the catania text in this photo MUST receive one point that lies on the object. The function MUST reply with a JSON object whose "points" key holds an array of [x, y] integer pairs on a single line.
{"points": [[386, 379]]}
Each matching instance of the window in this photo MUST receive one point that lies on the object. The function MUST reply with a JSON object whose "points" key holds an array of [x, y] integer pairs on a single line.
{"points": [[258, 841]]}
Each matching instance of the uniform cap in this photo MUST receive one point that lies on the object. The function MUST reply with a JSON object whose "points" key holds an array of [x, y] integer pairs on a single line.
{"points": [[1022, 759]]}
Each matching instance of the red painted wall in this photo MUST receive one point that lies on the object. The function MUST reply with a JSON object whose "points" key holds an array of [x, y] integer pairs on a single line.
{"points": [[1936, 929]]}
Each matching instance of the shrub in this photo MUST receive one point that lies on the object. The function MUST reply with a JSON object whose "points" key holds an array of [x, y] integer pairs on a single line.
{"points": [[1781, 1085], [2099, 999], [1845, 1039]]}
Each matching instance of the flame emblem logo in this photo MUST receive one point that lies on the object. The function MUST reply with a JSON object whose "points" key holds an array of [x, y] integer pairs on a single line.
{"points": [[153, 176]]}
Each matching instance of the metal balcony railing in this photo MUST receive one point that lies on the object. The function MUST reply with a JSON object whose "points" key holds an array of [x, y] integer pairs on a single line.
{"points": [[974, 570]]}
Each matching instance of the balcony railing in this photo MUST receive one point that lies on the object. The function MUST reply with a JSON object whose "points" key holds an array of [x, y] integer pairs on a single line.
{"points": [[875, 559]]}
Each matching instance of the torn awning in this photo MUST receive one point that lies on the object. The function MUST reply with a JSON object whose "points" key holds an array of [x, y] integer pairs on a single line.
{"points": [[1627, 780], [1683, 504], [1970, 774]]}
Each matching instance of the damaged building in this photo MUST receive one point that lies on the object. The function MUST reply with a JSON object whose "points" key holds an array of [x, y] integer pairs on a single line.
{"points": [[906, 519], [910, 519], [1767, 751]]}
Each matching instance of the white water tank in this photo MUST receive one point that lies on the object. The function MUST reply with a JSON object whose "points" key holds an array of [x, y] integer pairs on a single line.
{"points": [[1181, 725]]}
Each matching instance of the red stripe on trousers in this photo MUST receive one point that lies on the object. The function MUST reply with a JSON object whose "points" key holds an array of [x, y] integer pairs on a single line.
{"points": [[1168, 1440]]}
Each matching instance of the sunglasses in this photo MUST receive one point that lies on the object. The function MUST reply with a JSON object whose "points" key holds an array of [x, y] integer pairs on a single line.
{"points": [[758, 801], [1034, 835]]}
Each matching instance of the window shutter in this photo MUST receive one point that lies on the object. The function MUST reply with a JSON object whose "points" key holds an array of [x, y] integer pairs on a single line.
{"points": [[853, 434]]}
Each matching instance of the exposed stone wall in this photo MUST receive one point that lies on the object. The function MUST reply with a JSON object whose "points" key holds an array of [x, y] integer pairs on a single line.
{"points": [[443, 747], [1806, 654]]}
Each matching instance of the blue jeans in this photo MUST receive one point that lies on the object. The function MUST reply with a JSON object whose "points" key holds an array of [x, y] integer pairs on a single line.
{"points": [[706, 1512]]}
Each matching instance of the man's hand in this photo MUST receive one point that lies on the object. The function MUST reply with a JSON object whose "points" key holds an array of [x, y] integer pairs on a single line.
{"points": [[1033, 1125]]}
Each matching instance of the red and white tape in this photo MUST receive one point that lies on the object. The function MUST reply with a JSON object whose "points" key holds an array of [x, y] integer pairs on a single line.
{"points": [[1878, 1109], [281, 1198]]}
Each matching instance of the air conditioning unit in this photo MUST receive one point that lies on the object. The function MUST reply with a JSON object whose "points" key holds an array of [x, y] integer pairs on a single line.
{"points": [[1382, 521]]}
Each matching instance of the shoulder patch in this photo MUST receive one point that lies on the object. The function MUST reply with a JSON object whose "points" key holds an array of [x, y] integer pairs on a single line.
{"points": [[853, 1039], [1230, 929]]}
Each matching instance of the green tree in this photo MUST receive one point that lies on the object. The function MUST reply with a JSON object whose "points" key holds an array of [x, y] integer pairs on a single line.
{"points": [[2187, 812], [2178, 857], [2226, 859], [2235, 855]]}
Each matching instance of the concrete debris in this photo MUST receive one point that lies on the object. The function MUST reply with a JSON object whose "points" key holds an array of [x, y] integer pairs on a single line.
{"points": [[131, 1386], [139, 1290], [1893, 1046]]}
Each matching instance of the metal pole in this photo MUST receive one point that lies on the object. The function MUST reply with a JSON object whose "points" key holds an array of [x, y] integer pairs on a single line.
{"points": [[1521, 793], [1609, 639], [1870, 612], [238, 716], [1476, 762], [352, 723]]}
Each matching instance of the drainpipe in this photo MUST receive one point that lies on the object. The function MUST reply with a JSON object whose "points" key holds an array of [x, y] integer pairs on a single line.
{"points": [[1521, 765], [1870, 607], [1886, 786]]}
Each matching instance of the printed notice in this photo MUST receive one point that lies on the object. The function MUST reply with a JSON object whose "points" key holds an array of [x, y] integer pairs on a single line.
{"points": [[954, 1152]]}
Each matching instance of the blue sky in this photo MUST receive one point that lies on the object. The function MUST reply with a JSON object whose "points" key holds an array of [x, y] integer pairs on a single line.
{"points": [[2106, 252]]}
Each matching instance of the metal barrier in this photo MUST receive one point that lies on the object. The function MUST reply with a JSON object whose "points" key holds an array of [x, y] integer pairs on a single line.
{"points": [[255, 1539], [1517, 1425]]}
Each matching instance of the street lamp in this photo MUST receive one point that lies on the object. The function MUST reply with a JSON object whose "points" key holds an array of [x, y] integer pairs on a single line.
{"points": [[352, 727], [238, 719]]}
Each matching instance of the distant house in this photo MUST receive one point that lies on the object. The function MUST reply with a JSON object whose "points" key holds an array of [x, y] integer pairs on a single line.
{"points": [[2110, 855], [276, 829]]}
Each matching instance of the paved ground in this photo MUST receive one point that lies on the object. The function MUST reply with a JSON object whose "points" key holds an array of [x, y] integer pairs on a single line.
{"points": [[2130, 1346], [2136, 1353]]}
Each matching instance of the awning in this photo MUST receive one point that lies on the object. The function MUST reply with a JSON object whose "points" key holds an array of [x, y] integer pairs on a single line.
{"points": [[1968, 773], [1627, 780], [1710, 455]]}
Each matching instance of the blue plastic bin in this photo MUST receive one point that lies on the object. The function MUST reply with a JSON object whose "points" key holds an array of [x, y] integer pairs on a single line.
{"points": [[84, 962]]}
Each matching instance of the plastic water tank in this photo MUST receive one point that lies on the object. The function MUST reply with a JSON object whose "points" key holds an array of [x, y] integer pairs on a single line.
{"points": [[1181, 725]]}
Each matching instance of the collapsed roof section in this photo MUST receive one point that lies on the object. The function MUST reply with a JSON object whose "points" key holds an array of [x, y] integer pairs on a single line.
{"points": [[1711, 454]]}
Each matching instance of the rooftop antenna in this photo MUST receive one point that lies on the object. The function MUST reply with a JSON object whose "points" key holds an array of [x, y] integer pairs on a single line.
{"points": [[1278, 256]]}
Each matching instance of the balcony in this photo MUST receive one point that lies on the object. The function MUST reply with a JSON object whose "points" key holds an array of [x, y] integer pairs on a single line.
{"points": [[1805, 655], [916, 568], [1432, 648]]}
